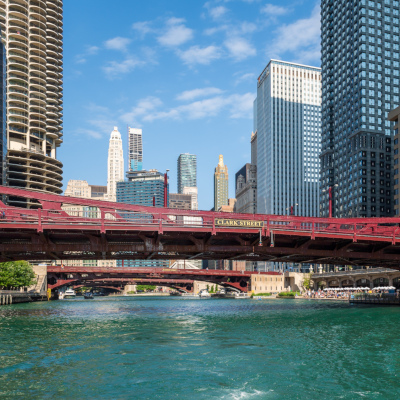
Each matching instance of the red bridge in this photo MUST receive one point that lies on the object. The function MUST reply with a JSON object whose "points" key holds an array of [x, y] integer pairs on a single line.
{"points": [[106, 230], [58, 276]]}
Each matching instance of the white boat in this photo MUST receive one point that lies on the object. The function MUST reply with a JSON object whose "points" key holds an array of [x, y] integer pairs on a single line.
{"points": [[204, 294], [69, 294], [241, 295]]}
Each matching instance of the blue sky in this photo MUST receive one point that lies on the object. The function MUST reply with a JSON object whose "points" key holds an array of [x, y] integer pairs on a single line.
{"points": [[183, 71]]}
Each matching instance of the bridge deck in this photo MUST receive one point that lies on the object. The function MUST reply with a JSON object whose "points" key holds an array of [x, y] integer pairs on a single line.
{"points": [[106, 230]]}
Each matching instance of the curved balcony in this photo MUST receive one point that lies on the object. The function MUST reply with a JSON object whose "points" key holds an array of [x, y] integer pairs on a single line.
{"points": [[20, 107]]}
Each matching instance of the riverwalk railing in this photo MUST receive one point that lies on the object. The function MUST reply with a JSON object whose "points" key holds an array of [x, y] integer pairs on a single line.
{"points": [[378, 298]]}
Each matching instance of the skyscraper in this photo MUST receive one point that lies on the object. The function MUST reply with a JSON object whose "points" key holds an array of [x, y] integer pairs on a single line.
{"points": [[142, 188], [3, 113], [115, 164], [288, 139], [360, 85], [221, 184], [187, 171], [135, 146], [33, 33]]}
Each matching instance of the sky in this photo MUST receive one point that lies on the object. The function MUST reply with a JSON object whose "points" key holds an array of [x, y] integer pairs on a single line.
{"points": [[183, 71]]}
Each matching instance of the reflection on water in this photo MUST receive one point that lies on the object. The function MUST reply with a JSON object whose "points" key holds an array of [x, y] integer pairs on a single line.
{"points": [[172, 348]]}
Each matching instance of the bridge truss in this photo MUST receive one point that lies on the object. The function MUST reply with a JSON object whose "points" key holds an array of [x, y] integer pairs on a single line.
{"points": [[107, 230]]}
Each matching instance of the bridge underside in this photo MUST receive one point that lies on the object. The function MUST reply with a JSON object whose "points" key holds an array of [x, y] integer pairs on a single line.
{"points": [[225, 245], [58, 276]]}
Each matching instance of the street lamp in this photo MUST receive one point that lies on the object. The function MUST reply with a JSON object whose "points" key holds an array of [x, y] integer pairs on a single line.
{"points": [[165, 188], [330, 198], [291, 208]]}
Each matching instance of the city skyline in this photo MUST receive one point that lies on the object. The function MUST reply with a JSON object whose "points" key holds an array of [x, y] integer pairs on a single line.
{"points": [[200, 106]]}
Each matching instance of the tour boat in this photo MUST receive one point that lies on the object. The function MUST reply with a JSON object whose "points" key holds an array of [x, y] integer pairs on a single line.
{"points": [[204, 294], [69, 294]]}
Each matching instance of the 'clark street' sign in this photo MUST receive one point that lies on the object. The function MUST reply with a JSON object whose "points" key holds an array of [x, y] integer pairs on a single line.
{"points": [[240, 223]]}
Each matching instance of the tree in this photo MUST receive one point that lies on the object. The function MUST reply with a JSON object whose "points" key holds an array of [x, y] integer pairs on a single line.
{"points": [[145, 288], [306, 282], [16, 274]]}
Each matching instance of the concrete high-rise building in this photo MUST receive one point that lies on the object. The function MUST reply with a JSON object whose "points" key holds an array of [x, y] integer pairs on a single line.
{"points": [[115, 164], [33, 33], [221, 184], [193, 192], [187, 171], [140, 189], [81, 188], [180, 201], [246, 189], [288, 142], [394, 116], [3, 113], [135, 146], [360, 85], [288, 139]]}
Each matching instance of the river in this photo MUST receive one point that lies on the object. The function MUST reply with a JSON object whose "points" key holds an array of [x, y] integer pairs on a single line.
{"points": [[174, 348]]}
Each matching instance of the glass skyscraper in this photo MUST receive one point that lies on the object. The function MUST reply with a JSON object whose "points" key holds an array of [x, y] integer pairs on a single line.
{"points": [[288, 139], [187, 171], [139, 189], [135, 147], [360, 85]]}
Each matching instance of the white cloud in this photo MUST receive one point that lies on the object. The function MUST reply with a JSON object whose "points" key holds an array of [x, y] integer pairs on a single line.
{"points": [[217, 12], [99, 123], [238, 106], [89, 51], [143, 28], [247, 77], [189, 95], [116, 68], [302, 38], [89, 132], [117, 43], [239, 48], [274, 10], [200, 55], [143, 108], [176, 33]]}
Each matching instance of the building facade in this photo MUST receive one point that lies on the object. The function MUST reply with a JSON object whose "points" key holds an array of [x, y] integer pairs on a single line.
{"points": [[140, 189], [135, 146], [187, 171], [246, 189], [360, 85], [115, 170], [33, 34], [82, 189], [288, 142], [288, 139], [180, 201], [221, 184], [193, 192], [394, 117], [3, 113]]}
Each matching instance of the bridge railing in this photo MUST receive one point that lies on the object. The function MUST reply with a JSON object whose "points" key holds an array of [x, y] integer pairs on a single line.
{"points": [[61, 212]]}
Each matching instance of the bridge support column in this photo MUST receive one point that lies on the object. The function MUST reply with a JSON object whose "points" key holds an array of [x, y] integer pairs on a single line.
{"points": [[315, 285], [371, 282]]}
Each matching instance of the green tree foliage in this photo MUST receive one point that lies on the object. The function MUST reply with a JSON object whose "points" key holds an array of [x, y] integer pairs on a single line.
{"points": [[145, 288], [16, 274], [307, 282]]}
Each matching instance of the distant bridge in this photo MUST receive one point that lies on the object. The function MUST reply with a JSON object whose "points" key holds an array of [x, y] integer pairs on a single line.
{"points": [[58, 276], [106, 230]]}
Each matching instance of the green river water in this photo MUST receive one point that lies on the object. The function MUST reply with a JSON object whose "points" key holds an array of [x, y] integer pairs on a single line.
{"points": [[174, 348]]}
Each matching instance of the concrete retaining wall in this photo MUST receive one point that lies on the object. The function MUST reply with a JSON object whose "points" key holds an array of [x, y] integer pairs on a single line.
{"points": [[13, 297]]}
